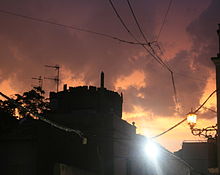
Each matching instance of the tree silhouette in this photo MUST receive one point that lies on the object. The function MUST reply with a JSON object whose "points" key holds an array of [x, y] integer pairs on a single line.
{"points": [[33, 100]]}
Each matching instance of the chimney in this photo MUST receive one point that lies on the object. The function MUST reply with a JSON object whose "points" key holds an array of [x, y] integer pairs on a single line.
{"points": [[102, 80], [65, 87]]}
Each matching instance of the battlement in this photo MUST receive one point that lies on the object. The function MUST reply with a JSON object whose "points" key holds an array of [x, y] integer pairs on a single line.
{"points": [[87, 98]]}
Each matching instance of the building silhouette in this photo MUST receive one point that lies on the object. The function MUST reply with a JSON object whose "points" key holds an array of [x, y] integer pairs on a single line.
{"points": [[112, 146], [202, 156]]}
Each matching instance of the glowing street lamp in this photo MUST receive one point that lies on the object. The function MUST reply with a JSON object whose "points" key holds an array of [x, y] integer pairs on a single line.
{"points": [[208, 132], [191, 119]]}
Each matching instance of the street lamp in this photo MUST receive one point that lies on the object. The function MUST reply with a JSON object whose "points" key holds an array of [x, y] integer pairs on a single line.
{"points": [[191, 119], [209, 132]]}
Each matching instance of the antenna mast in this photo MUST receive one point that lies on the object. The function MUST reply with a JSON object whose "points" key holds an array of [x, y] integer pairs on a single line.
{"points": [[57, 78], [40, 81]]}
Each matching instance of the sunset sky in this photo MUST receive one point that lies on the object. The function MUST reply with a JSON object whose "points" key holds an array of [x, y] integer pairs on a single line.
{"points": [[187, 42]]}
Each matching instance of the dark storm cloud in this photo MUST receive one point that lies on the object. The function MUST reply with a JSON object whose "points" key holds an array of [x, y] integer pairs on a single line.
{"points": [[26, 46], [202, 31]]}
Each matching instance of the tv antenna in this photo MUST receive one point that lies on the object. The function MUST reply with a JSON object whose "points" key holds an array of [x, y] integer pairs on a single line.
{"points": [[40, 81], [57, 77]]}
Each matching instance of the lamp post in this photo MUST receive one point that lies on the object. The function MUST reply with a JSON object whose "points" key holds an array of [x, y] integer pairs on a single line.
{"points": [[209, 132]]}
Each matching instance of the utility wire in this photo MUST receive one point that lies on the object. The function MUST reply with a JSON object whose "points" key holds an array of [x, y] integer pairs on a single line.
{"points": [[142, 33], [205, 101], [139, 27], [131, 34], [121, 20], [185, 117], [79, 29], [159, 60], [164, 19], [70, 27], [170, 128], [209, 109], [153, 54], [136, 21], [174, 87]]}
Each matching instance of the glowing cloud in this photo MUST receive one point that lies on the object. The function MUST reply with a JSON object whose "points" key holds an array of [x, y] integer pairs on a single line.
{"points": [[136, 79]]}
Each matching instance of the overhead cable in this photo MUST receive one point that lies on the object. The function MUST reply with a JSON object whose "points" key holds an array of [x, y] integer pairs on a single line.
{"points": [[164, 19], [146, 40], [136, 21], [170, 128], [185, 117], [142, 33], [153, 54], [205, 101], [174, 87], [160, 61], [121, 20], [209, 109], [71, 27]]}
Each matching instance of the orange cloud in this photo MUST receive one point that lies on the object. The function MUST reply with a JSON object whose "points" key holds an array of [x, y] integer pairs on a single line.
{"points": [[136, 79], [209, 88], [5, 87], [69, 78]]}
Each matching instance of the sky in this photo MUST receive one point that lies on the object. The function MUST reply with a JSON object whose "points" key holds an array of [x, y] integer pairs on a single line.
{"points": [[186, 42]]}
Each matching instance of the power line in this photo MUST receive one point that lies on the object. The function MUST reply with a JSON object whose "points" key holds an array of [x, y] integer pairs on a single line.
{"points": [[142, 33], [185, 117], [121, 20], [136, 21], [209, 109], [170, 128], [174, 87], [159, 60], [82, 30], [70, 27], [205, 101], [154, 55], [139, 27], [164, 19]]}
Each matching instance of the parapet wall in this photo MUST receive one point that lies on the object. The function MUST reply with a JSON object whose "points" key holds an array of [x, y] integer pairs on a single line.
{"points": [[101, 100]]}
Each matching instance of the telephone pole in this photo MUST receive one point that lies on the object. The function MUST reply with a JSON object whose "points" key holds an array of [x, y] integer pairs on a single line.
{"points": [[57, 78]]}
